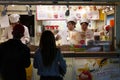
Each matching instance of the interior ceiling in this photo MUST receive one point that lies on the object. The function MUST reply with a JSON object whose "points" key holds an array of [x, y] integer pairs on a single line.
{"points": [[62, 2], [4, 4], [79, 3]]}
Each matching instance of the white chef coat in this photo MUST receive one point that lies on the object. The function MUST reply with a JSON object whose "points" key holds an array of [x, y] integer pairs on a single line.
{"points": [[89, 35], [69, 37], [7, 34]]}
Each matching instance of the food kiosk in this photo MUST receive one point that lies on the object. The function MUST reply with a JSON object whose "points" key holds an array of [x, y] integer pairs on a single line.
{"points": [[97, 62]]}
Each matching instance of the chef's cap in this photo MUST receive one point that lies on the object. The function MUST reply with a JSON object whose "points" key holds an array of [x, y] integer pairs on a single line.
{"points": [[84, 20], [72, 18], [14, 18]]}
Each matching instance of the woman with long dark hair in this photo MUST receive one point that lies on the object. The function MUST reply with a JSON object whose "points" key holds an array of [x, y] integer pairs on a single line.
{"points": [[48, 58]]}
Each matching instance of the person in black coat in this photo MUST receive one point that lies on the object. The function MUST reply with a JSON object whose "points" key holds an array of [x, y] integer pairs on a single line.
{"points": [[14, 56]]}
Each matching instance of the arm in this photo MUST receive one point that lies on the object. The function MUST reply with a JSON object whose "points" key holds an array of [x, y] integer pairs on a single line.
{"points": [[77, 37], [27, 58], [26, 34], [58, 36], [36, 60], [26, 38], [62, 62], [4, 35]]}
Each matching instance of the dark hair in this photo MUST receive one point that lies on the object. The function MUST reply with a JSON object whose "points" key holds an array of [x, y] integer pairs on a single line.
{"points": [[18, 31], [48, 47], [72, 22], [83, 22]]}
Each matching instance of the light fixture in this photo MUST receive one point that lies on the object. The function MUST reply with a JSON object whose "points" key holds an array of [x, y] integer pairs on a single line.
{"points": [[29, 10], [13, 5], [67, 13], [3, 13]]}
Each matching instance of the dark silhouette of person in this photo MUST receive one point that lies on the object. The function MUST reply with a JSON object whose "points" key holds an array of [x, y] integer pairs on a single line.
{"points": [[48, 58], [14, 56]]}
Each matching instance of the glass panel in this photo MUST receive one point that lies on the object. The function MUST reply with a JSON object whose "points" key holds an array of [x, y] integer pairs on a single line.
{"points": [[94, 69]]}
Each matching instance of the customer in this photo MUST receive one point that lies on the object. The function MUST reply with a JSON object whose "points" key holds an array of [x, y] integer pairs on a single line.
{"points": [[7, 34], [48, 58], [14, 56]]}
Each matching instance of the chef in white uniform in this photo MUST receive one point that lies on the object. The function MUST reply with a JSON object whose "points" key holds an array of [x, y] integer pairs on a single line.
{"points": [[70, 35], [7, 34], [86, 34]]}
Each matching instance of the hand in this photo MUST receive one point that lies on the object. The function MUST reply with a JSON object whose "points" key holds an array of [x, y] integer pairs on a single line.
{"points": [[82, 35], [57, 37]]}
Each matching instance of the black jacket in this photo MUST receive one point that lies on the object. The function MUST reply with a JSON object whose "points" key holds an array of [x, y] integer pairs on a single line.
{"points": [[14, 58]]}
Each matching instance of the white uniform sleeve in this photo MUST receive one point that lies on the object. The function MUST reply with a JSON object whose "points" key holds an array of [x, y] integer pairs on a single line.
{"points": [[59, 35], [26, 38], [4, 35]]}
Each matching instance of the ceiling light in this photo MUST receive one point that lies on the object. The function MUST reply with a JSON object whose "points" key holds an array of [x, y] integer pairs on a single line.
{"points": [[67, 13], [29, 10], [13, 5], [3, 13]]}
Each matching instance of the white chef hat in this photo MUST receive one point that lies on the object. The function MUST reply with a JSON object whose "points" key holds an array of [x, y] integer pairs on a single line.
{"points": [[84, 20], [14, 18], [71, 18]]}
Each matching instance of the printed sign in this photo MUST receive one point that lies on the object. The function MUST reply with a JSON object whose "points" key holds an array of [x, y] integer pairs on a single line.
{"points": [[57, 12], [97, 69]]}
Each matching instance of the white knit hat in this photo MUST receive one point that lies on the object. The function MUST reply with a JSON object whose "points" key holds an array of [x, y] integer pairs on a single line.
{"points": [[84, 20], [72, 18], [14, 18]]}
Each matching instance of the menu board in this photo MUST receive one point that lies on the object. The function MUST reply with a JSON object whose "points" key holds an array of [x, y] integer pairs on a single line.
{"points": [[50, 12], [4, 21], [57, 12]]}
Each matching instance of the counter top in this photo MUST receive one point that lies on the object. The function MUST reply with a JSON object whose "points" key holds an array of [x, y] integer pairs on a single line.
{"points": [[82, 54], [72, 54]]}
